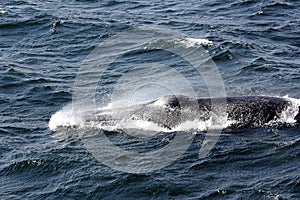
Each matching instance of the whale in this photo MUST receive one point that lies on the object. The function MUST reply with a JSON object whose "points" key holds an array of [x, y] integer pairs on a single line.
{"points": [[172, 110]]}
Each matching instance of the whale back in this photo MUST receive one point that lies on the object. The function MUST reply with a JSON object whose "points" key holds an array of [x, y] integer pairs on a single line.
{"points": [[249, 111], [255, 110], [170, 111]]}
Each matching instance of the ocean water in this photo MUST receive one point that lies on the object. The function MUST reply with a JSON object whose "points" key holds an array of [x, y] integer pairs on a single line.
{"points": [[45, 48]]}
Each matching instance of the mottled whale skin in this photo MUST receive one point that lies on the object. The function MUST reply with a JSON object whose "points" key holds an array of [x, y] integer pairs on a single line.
{"points": [[170, 111]]}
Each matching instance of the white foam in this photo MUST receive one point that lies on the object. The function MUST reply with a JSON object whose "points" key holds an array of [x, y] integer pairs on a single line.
{"points": [[193, 42], [141, 125], [160, 102], [64, 118], [199, 125], [2, 11], [289, 114], [108, 107]]}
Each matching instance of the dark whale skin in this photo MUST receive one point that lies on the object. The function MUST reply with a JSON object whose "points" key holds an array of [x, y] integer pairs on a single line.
{"points": [[248, 111]]}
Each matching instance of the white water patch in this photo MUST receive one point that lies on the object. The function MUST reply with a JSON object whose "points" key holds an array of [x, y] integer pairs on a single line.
{"points": [[141, 124], [193, 42], [199, 125], [2, 11], [65, 118], [150, 128], [289, 114], [138, 128], [108, 107]]}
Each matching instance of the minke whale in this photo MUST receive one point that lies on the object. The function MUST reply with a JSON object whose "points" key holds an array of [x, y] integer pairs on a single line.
{"points": [[172, 110]]}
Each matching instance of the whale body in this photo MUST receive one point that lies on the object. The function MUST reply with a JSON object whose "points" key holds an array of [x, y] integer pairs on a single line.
{"points": [[172, 110]]}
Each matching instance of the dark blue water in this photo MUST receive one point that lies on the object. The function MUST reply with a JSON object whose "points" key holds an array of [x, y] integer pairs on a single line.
{"points": [[255, 46]]}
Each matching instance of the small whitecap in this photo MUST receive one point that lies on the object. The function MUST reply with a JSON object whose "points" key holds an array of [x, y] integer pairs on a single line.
{"points": [[2, 11], [193, 42]]}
